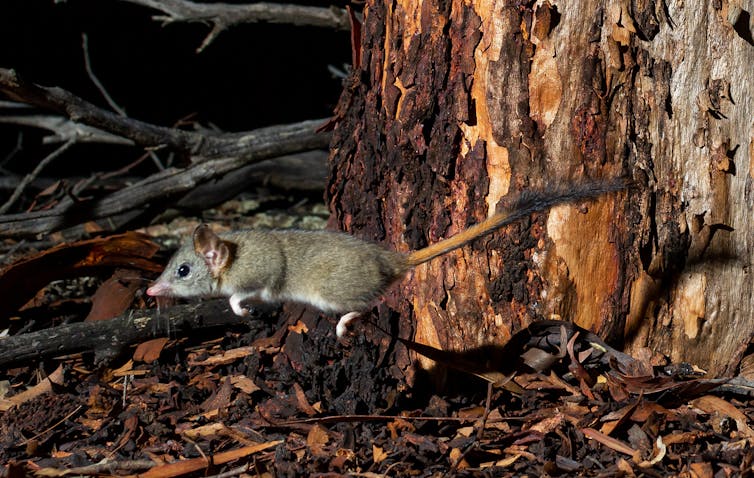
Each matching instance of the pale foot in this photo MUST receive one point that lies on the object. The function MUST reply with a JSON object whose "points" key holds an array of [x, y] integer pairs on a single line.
{"points": [[342, 328], [235, 304]]}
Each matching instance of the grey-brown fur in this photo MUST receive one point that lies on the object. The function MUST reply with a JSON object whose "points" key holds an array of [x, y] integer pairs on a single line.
{"points": [[333, 271]]}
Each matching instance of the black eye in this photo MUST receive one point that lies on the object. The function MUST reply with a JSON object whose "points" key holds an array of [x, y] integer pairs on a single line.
{"points": [[183, 270]]}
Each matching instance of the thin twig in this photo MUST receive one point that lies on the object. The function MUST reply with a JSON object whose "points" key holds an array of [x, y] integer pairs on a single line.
{"points": [[115, 106], [110, 467], [252, 148], [480, 431], [126, 168], [82, 111], [33, 175], [15, 150], [53, 426], [381, 418], [233, 472], [95, 80], [64, 129]]}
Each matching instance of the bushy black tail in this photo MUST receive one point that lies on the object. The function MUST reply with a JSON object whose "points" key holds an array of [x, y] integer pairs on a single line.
{"points": [[525, 204]]}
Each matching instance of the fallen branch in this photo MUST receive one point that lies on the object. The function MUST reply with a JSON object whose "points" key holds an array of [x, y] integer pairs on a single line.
{"points": [[305, 171], [223, 15], [213, 155], [108, 338], [63, 129], [264, 142], [161, 186]]}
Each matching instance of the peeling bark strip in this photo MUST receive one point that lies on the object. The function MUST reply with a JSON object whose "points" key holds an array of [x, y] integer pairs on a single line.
{"points": [[456, 104]]}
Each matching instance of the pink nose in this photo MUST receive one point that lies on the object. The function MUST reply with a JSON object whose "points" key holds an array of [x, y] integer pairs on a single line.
{"points": [[158, 289]]}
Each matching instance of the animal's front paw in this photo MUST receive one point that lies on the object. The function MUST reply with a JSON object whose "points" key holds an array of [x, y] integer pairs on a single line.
{"points": [[235, 304], [343, 324]]}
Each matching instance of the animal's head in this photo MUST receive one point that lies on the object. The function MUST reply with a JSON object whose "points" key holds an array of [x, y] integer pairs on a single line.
{"points": [[195, 268]]}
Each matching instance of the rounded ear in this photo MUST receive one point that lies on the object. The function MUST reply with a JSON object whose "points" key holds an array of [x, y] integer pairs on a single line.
{"points": [[211, 248]]}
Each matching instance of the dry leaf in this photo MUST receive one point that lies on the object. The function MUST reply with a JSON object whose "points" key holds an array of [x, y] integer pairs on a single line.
{"points": [[21, 280], [609, 442], [701, 469], [42, 387], [299, 328], [508, 461], [220, 400], [456, 456], [244, 383], [548, 424], [115, 295], [711, 405], [317, 439], [378, 454], [208, 430], [150, 350], [302, 402], [226, 357]]}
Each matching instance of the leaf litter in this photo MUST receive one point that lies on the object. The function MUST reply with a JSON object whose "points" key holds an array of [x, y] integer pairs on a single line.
{"points": [[223, 404], [284, 398]]}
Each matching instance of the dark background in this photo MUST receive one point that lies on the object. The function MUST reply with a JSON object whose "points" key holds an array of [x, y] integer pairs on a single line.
{"points": [[252, 75]]}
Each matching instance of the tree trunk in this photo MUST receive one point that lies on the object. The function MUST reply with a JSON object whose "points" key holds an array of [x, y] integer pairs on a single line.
{"points": [[455, 105]]}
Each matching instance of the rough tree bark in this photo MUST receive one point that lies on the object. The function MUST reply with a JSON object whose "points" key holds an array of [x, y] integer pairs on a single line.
{"points": [[455, 105]]}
